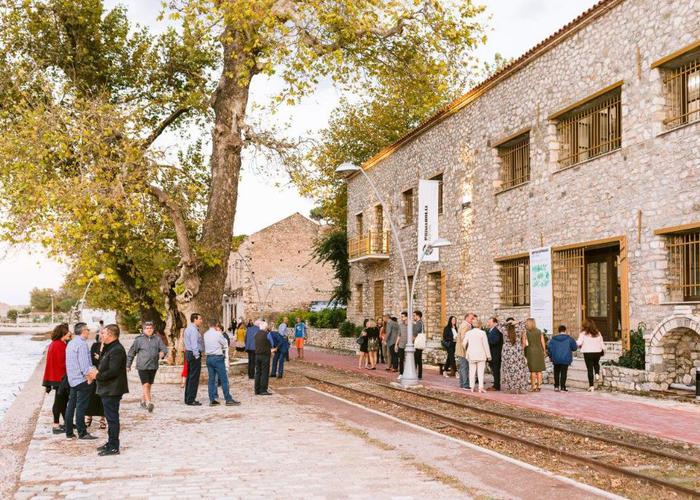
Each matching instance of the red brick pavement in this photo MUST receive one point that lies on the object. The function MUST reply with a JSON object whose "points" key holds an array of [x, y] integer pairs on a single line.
{"points": [[665, 419]]}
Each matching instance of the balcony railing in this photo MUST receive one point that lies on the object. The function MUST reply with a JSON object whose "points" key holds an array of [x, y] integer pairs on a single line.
{"points": [[373, 245]]}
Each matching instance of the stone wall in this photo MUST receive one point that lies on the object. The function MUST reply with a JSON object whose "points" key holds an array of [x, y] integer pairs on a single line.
{"points": [[651, 182], [626, 379], [281, 254]]}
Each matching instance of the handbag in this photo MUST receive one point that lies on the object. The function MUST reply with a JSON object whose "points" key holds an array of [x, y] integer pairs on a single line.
{"points": [[420, 341], [359, 340], [445, 344]]}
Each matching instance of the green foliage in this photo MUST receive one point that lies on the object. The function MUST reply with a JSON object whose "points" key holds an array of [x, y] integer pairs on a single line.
{"points": [[12, 314], [84, 96], [332, 248], [327, 318], [346, 329], [63, 300], [27, 310], [635, 356]]}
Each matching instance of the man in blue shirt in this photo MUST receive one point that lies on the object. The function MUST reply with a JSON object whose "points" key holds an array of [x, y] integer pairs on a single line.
{"points": [[194, 346], [80, 374], [280, 348], [250, 332]]}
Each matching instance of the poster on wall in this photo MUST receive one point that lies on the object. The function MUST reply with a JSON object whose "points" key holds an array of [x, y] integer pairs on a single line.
{"points": [[541, 287], [428, 217]]}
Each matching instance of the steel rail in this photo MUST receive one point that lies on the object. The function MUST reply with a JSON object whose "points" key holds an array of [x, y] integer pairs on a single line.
{"points": [[636, 447], [494, 434]]}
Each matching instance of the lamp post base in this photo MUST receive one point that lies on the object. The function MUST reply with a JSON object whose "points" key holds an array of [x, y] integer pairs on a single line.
{"points": [[406, 383]]}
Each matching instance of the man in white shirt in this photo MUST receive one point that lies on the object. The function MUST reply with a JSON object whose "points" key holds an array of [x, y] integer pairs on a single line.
{"points": [[214, 346]]}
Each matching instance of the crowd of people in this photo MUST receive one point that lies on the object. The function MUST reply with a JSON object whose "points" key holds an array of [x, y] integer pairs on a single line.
{"points": [[90, 381], [514, 351], [87, 382]]}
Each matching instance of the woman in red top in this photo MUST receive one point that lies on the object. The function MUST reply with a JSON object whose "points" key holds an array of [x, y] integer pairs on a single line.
{"points": [[55, 372]]}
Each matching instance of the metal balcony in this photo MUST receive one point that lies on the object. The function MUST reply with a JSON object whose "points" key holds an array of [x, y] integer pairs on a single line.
{"points": [[372, 246]]}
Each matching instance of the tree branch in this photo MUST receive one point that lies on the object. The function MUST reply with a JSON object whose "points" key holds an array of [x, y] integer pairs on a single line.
{"points": [[285, 12], [164, 125], [183, 241]]}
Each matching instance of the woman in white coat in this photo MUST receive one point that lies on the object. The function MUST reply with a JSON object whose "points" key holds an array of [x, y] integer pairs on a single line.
{"points": [[478, 352]]}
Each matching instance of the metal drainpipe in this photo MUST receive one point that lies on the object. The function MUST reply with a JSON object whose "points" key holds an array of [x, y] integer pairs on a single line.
{"points": [[697, 382]]}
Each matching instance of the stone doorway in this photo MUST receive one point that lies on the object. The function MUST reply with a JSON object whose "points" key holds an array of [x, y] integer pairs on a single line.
{"points": [[674, 352]]}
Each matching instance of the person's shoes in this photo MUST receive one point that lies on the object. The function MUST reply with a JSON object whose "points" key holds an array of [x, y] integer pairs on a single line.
{"points": [[564, 389], [144, 405], [388, 369], [71, 436], [88, 436], [597, 376], [265, 393], [273, 376], [591, 389], [491, 389], [103, 447], [150, 407], [108, 452], [398, 378], [233, 402], [214, 403], [58, 430], [194, 403], [556, 389]]}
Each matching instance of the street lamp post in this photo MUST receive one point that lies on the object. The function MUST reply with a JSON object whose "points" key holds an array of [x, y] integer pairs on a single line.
{"points": [[81, 303], [409, 377]]}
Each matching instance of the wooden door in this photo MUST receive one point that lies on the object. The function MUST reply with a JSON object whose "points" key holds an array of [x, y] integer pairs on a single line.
{"points": [[602, 291], [378, 299]]}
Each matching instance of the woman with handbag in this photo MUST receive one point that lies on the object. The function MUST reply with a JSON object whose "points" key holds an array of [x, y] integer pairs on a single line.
{"points": [[591, 343], [449, 336]]}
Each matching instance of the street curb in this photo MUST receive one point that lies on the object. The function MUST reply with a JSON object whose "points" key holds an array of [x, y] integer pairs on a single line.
{"points": [[18, 428]]}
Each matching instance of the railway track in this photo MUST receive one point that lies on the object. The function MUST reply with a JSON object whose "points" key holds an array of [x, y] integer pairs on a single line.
{"points": [[480, 426]]}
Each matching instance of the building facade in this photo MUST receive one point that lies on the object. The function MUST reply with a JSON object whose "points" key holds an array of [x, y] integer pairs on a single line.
{"points": [[588, 144], [274, 271]]}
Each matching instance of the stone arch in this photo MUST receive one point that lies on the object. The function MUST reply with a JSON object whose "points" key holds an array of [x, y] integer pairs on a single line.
{"points": [[674, 351]]}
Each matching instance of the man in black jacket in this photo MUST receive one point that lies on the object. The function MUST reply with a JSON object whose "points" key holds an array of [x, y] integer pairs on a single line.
{"points": [[263, 349], [495, 337], [111, 385]]}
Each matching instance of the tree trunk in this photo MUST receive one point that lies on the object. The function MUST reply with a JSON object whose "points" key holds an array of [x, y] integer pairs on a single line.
{"points": [[229, 103]]}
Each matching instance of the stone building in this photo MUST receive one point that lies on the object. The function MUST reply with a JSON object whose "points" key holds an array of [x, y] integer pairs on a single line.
{"points": [[589, 144], [276, 263]]}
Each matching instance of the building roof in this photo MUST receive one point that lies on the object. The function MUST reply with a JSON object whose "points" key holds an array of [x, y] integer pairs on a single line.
{"points": [[296, 216], [599, 9]]}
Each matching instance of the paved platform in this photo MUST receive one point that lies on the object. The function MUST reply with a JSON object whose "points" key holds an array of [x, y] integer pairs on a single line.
{"points": [[662, 418], [295, 444]]}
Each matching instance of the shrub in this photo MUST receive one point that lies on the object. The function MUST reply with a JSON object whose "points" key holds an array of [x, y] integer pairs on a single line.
{"points": [[327, 318], [635, 356], [347, 329]]}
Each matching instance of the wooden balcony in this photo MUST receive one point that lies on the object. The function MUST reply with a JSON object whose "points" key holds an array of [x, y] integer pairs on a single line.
{"points": [[372, 246]]}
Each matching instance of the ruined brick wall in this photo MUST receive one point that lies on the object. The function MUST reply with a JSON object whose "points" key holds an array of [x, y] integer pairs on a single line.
{"points": [[280, 253], [655, 171]]}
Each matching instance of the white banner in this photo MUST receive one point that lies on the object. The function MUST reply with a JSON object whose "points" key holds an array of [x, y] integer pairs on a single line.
{"points": [[541, 287], [428, 218]]}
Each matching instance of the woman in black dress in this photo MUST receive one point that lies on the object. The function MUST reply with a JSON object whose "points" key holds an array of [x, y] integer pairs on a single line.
{"points": [[449, 337], [94, 408], [363, 351]]}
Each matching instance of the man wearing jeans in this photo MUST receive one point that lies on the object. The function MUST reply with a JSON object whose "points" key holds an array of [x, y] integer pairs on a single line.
{"points": [[193, 352], [215, 345], [80, 373]]}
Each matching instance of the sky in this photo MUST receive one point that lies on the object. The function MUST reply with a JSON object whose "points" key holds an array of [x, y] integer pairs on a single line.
{"points": [[514, 27]]}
